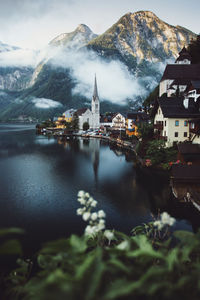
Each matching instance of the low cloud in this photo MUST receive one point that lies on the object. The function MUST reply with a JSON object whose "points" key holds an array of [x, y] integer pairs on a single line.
{"points": [[19, 58], [115, 83], [45, 103]]}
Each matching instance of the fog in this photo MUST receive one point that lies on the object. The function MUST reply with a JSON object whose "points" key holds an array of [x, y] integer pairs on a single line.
{"points": [[45, 103], [115, 83]]}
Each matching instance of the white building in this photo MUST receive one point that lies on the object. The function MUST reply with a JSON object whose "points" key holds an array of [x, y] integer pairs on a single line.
{"points": [[92, 117], [172, 118]]}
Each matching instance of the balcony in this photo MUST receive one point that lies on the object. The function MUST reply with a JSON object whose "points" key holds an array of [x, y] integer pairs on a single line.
{"points": [[158, 126], [195, 130]]}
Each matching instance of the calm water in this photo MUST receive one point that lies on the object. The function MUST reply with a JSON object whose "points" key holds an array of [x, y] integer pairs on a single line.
{"points": [[40, 178]]}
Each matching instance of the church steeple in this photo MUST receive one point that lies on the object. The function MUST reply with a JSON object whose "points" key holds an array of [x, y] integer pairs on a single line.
{"points": [[95, 93], [95, 105]]}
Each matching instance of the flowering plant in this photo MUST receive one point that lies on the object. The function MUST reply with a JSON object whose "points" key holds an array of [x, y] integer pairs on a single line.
{"points": [[96, 219]]}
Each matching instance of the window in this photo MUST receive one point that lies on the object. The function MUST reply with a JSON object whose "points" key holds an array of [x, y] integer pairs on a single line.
{"points": [[176, 123], [164, 133], [176, 134], [185, 123], [165, 123], [185, 134]]}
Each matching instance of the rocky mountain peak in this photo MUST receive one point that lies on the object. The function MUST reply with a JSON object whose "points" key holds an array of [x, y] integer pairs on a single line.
{"points": [[75, 39], [83, 28]]}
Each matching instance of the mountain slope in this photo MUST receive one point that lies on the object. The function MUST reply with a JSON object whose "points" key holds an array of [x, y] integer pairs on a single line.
{"points": [[141, 36], [76, 39], [139, 43]]}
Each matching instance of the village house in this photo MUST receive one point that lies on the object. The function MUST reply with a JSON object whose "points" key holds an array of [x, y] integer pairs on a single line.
{"points": [[177, 109], [133, 120], [171, 122], [66, 117]]}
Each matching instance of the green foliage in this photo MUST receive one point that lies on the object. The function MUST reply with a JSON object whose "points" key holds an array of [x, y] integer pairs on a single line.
{"points": [[152, 97], [158, 154], [132, 267], [86, 126], [145, 131]]}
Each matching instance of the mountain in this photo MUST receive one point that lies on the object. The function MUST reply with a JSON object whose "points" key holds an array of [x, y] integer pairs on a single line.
{"points": [[76, 39], [139, 45], [140, 40], [12, 78]]}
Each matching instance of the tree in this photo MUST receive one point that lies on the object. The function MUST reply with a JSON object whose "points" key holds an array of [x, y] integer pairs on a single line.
{"points": [[194, 50], [75, 122], [86, 126]]}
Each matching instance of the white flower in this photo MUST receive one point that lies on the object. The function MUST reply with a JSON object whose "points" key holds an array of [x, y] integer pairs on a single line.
{"points": [[109, 235], [94, 216], [93, 203], [101, 221], [123, 245], [101, 214], [90, 230], [166, 219], [86, 216], [90, 200], [81, 194], [87, 195], [158, 224], [79, 211], [82, 201], [100, 227]]}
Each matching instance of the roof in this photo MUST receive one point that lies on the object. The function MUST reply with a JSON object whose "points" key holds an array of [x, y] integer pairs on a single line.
{"points": [[135, 115], [184, 54], [182, 71], [81, 111], [180, 81], [123, 115], [95, 93], [172, 107], [185, 173], [196, 84], [69, 113], [188, 148]]}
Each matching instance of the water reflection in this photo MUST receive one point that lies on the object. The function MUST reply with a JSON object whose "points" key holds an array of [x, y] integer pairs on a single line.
{"points": [[40, 178]]}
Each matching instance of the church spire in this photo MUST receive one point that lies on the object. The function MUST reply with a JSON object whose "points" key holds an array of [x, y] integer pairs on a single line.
{"points": [[95, 93]]}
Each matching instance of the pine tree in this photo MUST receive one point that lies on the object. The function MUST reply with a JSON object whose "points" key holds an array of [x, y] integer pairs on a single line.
{"points": [[194, 50]]}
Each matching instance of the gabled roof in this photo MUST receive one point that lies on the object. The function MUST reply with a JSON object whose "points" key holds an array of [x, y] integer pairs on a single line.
{"points": [[172, 107], [180, 81], [123, 115], [181, 71], [188, 148], [184, 54], [186, 173], [137, 115], [81, 111]]}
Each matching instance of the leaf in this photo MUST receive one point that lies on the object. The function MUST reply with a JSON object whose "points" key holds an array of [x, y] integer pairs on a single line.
{"points": [[118, 265], [96, 275], [78, 243], [11, 247], [120, 288], [12, 230], [53, 247], [172, 259], [82, 268], [145, 248]]}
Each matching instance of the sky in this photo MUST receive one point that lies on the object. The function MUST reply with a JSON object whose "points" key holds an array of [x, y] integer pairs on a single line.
{"points": [[34, 23]]}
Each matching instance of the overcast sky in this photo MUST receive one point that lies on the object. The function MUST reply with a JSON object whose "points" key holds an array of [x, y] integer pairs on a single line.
{"points": [[33, 23]]}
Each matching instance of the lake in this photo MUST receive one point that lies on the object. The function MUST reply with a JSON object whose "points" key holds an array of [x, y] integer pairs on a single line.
{"points": [[40, 178]]}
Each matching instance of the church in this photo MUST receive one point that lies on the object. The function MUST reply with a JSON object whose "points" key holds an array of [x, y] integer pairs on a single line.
{"points": [[92, 117]]}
